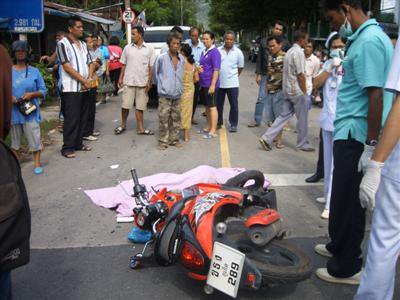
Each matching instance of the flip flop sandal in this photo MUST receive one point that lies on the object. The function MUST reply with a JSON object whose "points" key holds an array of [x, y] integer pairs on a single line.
{"points": [[279, 145], [119, 130], [177, 145], [202, 131], [69, 155], [265, 145], [162, 147], [208, 136], [251, 125], [146, 132], [38, 170], [84, 148]]}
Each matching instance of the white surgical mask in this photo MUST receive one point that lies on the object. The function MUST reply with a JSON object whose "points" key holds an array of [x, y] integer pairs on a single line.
{"points": [[345, 30]]}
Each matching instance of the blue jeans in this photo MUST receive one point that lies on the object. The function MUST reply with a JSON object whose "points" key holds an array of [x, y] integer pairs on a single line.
{"points": [[5, 286], [273, 105], [261, 100], [233, 95]]}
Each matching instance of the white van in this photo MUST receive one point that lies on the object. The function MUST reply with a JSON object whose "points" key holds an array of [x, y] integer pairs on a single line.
{"points": [[157, 36]]}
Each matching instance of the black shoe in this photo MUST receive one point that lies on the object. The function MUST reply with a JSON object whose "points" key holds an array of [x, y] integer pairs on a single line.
{"points": [[314, 178]]}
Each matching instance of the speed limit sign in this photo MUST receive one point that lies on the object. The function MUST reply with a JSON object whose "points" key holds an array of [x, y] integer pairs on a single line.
{"points": [[128, 16]]}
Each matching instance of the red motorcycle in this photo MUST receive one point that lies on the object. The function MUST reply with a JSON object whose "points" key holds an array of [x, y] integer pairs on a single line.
{"points": [[229, 235]]}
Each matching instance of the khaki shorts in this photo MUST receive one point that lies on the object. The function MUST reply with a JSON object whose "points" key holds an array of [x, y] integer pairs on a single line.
{"points": [[134, 96], [31, 130]]}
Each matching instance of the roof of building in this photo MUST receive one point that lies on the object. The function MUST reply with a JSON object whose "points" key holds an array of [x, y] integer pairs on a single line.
{"points": [[66, 11]]}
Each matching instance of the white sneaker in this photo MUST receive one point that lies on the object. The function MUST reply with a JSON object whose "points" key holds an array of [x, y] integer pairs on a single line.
{"points": [[90, 138], [321, 200], [323, 274], [325, 214], [321, 250]]}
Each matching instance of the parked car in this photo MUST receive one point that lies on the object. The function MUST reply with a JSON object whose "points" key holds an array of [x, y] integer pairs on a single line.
{"points": [[157, 36]]}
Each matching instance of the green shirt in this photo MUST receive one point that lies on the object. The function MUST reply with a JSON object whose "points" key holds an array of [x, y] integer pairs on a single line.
{"points": [[367, 63]]}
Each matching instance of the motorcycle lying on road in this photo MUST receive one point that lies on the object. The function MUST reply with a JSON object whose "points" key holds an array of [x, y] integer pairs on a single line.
{"points": [[229, 236]]}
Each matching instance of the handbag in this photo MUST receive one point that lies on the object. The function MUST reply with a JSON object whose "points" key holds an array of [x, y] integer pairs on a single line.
{"points": [[26, 107], [106, 87]]}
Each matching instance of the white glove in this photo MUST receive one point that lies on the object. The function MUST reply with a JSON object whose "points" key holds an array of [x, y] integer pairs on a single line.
{"points": [[336, 62], [369, 184], [365, 158]]}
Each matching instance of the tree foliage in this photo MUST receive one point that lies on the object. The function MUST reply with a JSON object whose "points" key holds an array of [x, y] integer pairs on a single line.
{"points": [[168, 12], [257, 14], [158, 12]]}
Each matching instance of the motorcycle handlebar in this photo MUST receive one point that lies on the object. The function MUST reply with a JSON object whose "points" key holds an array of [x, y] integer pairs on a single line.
{"points": [[134, 176]]}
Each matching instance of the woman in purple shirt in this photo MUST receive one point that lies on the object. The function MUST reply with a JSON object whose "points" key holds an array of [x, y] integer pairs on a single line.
{"points": [[210, 64]]}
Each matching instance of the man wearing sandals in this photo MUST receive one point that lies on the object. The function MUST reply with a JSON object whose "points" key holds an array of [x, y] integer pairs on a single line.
{"points": [[77, 67], [168, 75], [138, 59]]}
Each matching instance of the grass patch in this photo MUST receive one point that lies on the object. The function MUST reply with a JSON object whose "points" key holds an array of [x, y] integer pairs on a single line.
{"points": [[45, 127]]}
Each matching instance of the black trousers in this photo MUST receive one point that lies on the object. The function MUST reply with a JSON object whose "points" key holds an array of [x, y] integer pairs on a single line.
{"points": [[75, 109], [196, 97], [91, 113], [114, 76], [320, 163], [233, 96], [346, 216]]}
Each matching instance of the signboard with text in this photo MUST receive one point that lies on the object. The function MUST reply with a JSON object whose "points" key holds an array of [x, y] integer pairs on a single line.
{"points": [[23, 16]]}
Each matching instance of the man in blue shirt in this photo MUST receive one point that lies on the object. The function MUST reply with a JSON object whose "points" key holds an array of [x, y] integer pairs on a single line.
{"points": [[361, 107], [232, 64], [168, 73], [197, 48]]}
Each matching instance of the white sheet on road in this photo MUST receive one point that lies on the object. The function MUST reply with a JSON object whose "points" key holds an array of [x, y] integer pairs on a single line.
{"points": [[119, 196]]}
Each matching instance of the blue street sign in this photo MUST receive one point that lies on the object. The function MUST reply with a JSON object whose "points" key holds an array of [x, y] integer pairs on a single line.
{"points": [[22, 16]]}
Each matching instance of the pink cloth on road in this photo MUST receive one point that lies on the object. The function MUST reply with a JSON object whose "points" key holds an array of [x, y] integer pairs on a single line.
{"points": [[119, 196]]}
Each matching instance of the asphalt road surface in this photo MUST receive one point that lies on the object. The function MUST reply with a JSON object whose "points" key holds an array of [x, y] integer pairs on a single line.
{"points": [[80, 252]]}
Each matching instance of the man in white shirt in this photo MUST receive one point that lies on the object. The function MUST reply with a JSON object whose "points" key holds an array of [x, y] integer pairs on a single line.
{"points": [[138, 59], [313, 65], [77, 69], [232, 64]]}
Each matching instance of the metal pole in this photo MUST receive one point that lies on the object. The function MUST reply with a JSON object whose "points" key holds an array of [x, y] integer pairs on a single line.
{"points": [[128, 27], [181, 12]]}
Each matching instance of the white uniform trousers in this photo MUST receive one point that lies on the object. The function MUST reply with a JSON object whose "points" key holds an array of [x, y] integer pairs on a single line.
{"points": [[327, 137], [377, 282]]}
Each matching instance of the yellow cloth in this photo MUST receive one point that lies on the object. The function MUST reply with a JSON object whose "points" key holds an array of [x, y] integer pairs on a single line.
{"points": [[187, 99]]}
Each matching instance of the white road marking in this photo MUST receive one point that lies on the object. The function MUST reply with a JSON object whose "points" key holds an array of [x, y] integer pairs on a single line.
{"points": [[290, 180]]}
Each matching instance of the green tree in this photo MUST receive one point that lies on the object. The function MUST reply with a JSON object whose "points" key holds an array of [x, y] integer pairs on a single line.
{"points": [[168, 12]]}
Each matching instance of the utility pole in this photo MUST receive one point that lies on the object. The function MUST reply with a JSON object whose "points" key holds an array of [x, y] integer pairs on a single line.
{"points": [[128, 26], [181, 12]]}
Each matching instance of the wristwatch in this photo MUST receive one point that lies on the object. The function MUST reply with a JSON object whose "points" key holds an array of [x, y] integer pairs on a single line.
{"points": [[372, 143]]}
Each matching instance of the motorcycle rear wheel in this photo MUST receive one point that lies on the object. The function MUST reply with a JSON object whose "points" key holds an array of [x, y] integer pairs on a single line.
{"points": [[279, 262], [241, 179]]}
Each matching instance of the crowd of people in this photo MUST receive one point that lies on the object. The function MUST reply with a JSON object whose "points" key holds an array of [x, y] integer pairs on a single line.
{"points": [[359, 81]]}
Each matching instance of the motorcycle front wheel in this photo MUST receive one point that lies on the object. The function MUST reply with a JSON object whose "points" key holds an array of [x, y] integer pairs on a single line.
{"points": [[279, 262]]}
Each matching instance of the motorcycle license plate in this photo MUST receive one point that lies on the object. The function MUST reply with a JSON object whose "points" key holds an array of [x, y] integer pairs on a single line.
{"points": [[225, 269]]}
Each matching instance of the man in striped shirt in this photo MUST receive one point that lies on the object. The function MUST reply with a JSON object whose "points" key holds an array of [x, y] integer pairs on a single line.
{"points": [[77, 70]]}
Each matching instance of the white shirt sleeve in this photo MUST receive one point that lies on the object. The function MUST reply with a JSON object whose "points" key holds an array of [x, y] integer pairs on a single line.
{"points": [[241, 59], [393, 81]]}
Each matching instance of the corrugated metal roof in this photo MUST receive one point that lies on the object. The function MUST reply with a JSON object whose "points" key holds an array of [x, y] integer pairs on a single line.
{"points": [[96, 19], [65, 11]]}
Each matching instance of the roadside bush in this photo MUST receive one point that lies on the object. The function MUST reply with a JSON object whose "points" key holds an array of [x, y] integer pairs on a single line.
{"points": [[49, 80]]}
